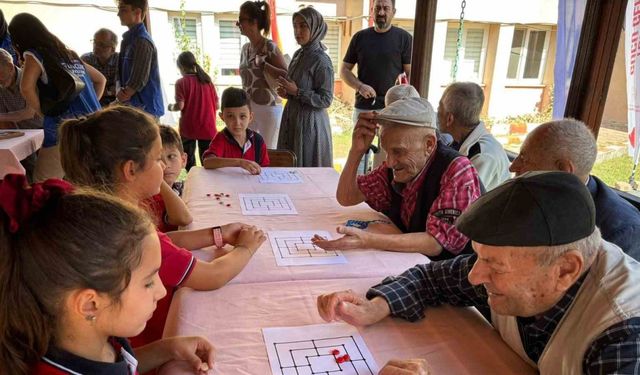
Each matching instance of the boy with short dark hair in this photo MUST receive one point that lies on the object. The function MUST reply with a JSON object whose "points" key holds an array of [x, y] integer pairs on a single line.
{"points": [[168, 208], [236, 145]]}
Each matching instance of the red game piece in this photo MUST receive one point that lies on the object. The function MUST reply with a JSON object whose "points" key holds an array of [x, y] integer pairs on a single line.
{"points": [[208, 195], [339, 360], [217, 198], [228, 204], [346, 358], [335, 352], [227, 195]]}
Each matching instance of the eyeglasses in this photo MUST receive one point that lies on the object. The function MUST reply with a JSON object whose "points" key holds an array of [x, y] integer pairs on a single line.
{"points": [[102, 44]]}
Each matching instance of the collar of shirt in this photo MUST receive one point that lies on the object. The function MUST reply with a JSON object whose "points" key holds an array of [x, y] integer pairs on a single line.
{"points": [[125, 364], [536, 332], [247, 145]]}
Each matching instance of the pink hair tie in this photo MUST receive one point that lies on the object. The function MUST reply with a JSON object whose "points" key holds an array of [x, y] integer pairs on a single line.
{"points": [[20, 201]]}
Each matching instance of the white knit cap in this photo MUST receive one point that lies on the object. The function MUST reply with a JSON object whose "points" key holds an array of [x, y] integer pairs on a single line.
{"points": [[409, 111]]}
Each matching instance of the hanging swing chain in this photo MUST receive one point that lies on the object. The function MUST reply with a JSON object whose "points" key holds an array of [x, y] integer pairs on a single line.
{"points": [[459, 41]]}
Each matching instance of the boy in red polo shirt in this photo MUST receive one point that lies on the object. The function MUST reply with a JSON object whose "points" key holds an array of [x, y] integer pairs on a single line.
{"points": [[236, 145]]}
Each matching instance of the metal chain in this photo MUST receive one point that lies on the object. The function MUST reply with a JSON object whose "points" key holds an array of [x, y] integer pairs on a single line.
{"points": [[459, 41]]}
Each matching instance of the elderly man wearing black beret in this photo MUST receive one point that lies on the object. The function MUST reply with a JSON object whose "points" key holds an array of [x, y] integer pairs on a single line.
{"points": [[423, 186], [561, 297]]}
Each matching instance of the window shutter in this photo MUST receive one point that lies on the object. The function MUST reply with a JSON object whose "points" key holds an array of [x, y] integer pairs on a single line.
{"points": [[229, 56], [332, 41], [473, 48]]}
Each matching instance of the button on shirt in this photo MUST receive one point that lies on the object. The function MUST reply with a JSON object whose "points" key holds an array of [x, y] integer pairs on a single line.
{"points": [[459, 187], [616, 350]]}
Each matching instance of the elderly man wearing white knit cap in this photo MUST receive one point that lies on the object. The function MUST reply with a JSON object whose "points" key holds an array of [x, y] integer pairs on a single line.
{"points": [[423, 186]]}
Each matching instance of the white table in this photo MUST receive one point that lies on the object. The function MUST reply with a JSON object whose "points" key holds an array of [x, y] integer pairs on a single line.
{"points": [[317, 210], [13, 150], [453, 340]]}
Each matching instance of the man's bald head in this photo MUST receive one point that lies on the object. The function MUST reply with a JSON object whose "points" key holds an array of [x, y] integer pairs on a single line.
{"points": [[561, 145]]}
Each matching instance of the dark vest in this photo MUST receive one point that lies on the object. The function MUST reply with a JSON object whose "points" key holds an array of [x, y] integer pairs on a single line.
{"points": [[149, 98], [427, 194]]}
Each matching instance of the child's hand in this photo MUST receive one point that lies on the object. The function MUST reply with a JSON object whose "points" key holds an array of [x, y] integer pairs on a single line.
{"points": [[281, 92], [251, 166], [231, 231], [251, 238], [196, 350]]}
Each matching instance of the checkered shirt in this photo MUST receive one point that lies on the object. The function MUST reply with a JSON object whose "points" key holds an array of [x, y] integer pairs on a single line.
{"points": [[11, 100], [614, 351], [109, 70], [459, 187]]}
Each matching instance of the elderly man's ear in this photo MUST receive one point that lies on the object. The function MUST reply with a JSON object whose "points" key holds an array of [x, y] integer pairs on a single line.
{"points": [[565, 165], [569, 268], [430, 142]]}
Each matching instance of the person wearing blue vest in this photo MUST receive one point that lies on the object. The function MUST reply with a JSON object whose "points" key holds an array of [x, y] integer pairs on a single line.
{"points": [[139, 75], [5, 39]]}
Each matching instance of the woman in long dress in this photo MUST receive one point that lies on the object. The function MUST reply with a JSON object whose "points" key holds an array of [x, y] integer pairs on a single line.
{"points": [[305, 128]]}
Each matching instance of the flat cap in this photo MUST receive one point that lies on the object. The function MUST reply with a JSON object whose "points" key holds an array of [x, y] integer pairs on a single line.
{"points": [[409, 111], [535, 209]]}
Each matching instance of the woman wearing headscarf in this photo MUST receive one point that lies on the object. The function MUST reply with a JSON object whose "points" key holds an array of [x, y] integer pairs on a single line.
{"points": [[305, 128], [5, 39]]}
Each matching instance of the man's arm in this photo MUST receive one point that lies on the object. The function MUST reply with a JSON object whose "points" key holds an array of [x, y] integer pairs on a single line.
{"points": [[615, 351], [406, 242], [429, 285], [408, 294], [16, 116], [346, 73], [140, 70], [348, 192]]}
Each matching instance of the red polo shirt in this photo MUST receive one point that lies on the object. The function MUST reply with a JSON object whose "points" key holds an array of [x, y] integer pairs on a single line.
{"points": [[225, 146]]}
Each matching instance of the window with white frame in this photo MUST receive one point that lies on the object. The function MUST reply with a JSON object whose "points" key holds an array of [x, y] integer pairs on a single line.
{"points": [[230, 46], [332, 41], [186, 30], [473, 49], [528, 55]]}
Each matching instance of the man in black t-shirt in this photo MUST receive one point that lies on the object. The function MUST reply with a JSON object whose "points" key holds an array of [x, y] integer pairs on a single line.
{"points": [[382, 52]]}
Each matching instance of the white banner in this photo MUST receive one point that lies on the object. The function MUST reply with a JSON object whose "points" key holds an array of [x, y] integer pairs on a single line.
{"points": [[632, 64]]}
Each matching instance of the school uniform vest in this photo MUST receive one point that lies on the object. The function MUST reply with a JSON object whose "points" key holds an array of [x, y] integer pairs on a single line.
{"points": [[427, 194], [608, 295], [149, 98]]}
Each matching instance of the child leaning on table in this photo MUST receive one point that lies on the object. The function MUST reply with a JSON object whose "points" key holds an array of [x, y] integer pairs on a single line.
{"points": [[168, 209], [118, 150], [79, 274], [236, 145]]}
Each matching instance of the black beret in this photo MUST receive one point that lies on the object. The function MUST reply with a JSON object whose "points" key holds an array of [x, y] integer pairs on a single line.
{"points": [[535, 209]]}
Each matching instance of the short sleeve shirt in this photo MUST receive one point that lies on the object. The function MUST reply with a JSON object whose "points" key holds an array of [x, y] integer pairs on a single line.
{"points": [[380, 58], [253, 77], [198, 116], [177, 264], [225, 146]]}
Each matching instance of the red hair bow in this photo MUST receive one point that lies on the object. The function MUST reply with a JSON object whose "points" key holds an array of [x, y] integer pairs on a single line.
{"points": [[19, 200]]}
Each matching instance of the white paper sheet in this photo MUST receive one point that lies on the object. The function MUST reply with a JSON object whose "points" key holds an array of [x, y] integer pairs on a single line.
{"points": [[294, 248], [279, 176], [307, 350], [266, 204]]}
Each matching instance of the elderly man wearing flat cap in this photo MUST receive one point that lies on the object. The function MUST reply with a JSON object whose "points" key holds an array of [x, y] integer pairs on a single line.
{"points": [[423, 186], [561, 297]]}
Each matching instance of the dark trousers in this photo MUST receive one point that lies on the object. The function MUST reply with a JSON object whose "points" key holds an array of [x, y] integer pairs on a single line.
{"points": [[189, 146]]}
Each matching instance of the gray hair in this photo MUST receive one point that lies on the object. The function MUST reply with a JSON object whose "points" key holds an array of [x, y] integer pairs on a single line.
{"points": [[5, 57], [112, 35], [570, 139], [587, 246], [398, 92], [464, 100]]}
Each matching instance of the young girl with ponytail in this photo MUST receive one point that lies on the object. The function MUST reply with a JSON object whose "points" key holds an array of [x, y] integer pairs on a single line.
{"points": [[118, 150], [197, 100], [78, 274]]}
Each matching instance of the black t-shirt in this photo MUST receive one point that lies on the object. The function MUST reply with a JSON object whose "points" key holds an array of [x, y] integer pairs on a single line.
{"points": [[380, 57]]}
